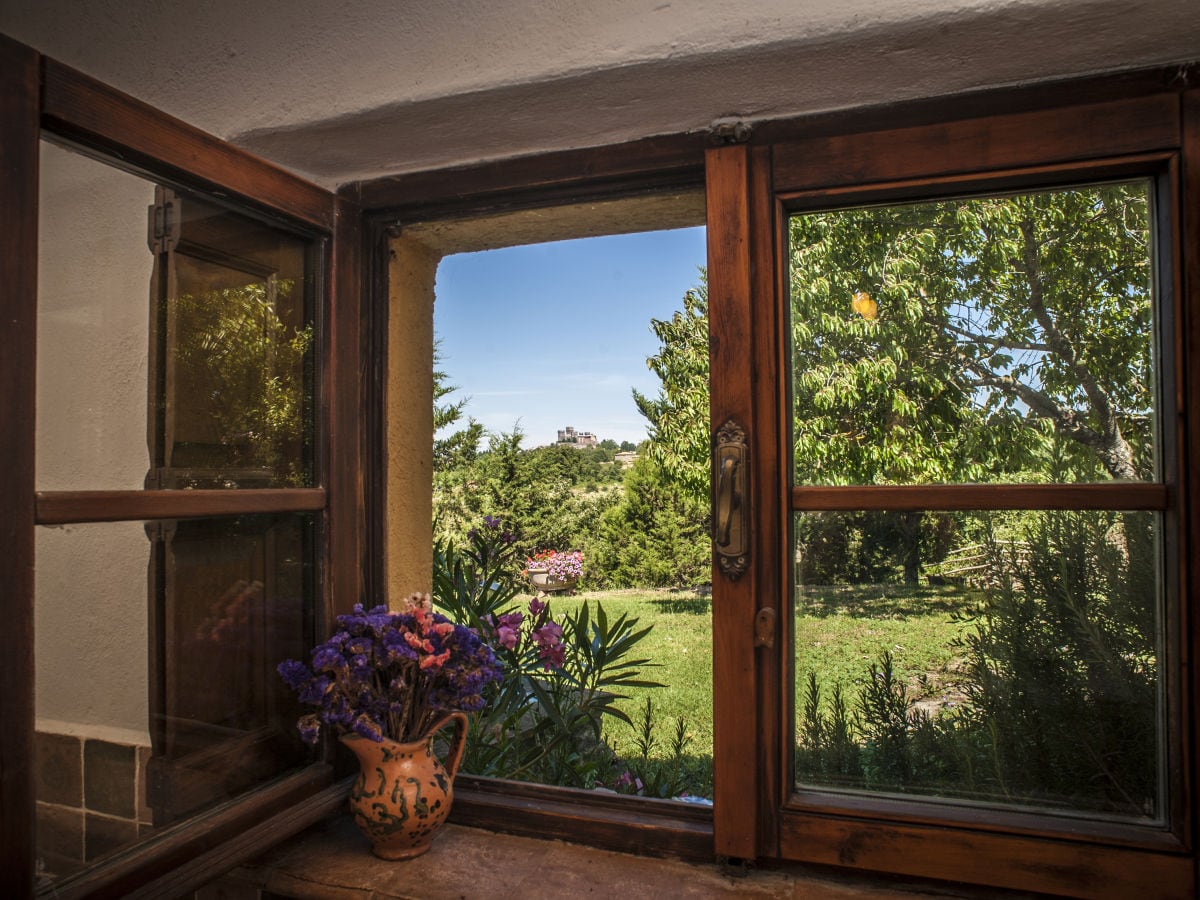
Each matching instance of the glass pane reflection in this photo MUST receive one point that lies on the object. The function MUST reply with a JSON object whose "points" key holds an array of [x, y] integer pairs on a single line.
{"points": [[233, 347], [94, 283], [986, 339], [135, 733], [1018, 663], [179, 360]]}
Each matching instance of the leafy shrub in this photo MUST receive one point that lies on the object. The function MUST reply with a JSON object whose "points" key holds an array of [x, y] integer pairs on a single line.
{"points": [[1060, 677], [649, 776], [657, 536], [561, 677]]}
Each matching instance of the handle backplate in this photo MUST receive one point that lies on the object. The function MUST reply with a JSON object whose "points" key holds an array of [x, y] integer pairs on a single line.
{"points": [[730, 514]]}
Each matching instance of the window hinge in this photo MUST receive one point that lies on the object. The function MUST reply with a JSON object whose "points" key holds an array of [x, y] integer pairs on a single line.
{"points": [[163, 224]]}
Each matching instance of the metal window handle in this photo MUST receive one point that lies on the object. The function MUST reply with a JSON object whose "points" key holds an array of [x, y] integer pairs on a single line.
{"points": [[725, 498], [731, 519]]}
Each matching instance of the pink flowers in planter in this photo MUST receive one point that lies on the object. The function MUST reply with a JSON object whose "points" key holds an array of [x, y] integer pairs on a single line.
{"points": [[561, 565]]}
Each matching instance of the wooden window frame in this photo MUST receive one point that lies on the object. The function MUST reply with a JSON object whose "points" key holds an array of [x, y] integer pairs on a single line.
{"points": [[1144, 114], [1153, 137], [44, 99], [647, 167]]}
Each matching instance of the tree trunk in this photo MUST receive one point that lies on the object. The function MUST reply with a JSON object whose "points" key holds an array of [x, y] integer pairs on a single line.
{"points": [[910, 531]]}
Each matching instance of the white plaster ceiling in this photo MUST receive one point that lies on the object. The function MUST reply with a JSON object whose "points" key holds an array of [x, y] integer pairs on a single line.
{"points": [[346, 90]]}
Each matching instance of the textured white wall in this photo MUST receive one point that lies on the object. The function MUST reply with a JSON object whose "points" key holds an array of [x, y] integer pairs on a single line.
{"points": [[342, 90], [94, 273], [93, 342]]}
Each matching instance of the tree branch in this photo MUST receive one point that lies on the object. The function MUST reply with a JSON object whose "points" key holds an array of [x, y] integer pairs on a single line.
{"points": [[1113, 449], [998, 343]]}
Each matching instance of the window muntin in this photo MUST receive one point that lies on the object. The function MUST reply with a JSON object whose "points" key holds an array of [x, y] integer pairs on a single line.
{"points": [[986, 341]]}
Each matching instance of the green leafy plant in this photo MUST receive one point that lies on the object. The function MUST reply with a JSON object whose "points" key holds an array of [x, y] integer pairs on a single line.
{"points": [[561, 677], [646, 774], [1058, 670], [248, 368]]}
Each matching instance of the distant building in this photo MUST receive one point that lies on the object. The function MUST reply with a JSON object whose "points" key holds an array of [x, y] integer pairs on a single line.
{"points": [[578, 439]]}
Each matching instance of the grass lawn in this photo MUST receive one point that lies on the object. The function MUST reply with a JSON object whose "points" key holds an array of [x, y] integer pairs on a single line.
{"points": [[681, 646], [840, 630]]}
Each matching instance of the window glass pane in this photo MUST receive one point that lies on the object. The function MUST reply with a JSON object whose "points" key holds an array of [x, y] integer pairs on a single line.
{"points": [[174, 338], [1008, 658], [988, 339], [157, 696], [94, 283], [235, 339]]}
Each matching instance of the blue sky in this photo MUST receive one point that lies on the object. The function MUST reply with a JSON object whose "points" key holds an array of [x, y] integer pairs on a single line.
{"points": [[557, 334]]}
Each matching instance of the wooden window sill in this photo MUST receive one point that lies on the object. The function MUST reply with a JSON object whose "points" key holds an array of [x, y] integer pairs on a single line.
{"points": [[333, 860]]}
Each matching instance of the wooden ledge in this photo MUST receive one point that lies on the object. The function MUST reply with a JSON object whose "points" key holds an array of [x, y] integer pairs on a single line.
{"points": [[332, 861]]}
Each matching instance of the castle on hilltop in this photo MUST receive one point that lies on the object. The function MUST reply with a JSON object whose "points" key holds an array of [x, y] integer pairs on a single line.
{"points": [[578, 439]]}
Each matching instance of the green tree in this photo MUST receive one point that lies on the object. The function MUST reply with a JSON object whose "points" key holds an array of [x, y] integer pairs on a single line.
{"points": [[984, 339], [947, 341], [657, 536], [952, 341], [248, 369], [543, 491], [458, 447], [678, 416]]}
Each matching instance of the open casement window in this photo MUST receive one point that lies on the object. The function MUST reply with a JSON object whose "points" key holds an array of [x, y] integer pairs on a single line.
{"points": [[184, 329], [968, 451], [230, 407], [998, 478]]}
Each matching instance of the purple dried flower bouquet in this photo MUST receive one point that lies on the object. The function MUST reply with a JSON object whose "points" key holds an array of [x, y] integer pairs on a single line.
{"points": [[390, 674]]}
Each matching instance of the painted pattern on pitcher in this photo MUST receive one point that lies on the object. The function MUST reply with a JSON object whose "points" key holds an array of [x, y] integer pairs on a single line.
{"points": [[403, 792]]}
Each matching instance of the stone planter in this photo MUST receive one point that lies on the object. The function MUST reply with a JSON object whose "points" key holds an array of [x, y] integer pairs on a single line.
{"points": [[542, 581]]}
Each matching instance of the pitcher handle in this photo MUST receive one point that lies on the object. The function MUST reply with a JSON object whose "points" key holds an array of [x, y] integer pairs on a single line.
{"points": [[459, 742]]}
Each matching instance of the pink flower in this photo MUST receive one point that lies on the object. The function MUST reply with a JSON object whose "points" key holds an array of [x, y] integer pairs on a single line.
{"points": [[508, 629], [536, 606], [549, 635], [417, 643], [552, 657], [435, 662], [549, 643]]}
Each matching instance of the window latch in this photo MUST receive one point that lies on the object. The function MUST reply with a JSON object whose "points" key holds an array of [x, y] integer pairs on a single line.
{"points": [[764, 628]]}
